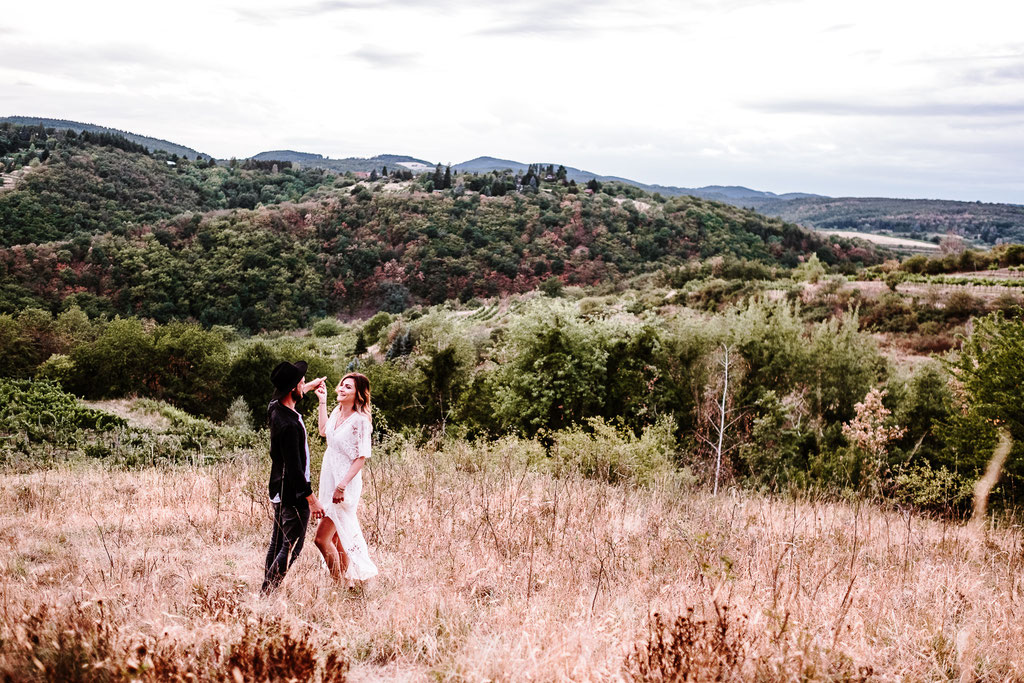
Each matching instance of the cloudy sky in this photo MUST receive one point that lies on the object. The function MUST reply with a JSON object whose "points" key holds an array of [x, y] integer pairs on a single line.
{"points": [[898, 98]]}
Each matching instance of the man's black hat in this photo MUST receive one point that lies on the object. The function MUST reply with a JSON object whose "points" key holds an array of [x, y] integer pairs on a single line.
{"points": [[286, 376]]}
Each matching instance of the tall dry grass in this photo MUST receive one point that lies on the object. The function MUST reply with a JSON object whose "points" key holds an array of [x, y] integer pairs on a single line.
{"points": [[492, 569]]}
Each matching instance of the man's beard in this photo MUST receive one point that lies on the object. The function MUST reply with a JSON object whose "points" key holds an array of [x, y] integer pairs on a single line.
{"points": [[297, 395]]}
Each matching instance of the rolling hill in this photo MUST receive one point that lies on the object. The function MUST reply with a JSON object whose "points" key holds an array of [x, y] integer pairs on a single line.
{"points": [[152, 144], [349, 164], [115, 231], [908, 218]]}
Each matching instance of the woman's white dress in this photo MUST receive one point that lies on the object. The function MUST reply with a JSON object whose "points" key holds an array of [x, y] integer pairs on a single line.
{"points": [[346, 442]]}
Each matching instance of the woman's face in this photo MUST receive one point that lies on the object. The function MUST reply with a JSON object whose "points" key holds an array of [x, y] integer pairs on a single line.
{"points": [[346, 391]]}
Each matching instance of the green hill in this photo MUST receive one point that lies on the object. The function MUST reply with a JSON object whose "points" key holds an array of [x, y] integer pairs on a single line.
{"points": [[73, 184], [347, 165], [389, 245], [914, 218], [152, 144]]}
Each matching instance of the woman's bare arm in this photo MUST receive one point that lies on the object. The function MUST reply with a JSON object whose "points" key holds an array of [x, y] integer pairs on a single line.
{"points": [[353, 470], [321, 414]]}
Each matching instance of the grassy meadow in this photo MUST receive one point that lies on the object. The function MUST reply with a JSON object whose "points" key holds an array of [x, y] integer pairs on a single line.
{"points": [[494, 567]]}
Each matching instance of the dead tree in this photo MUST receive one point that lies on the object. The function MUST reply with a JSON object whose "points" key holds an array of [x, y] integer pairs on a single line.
{"points": [[723, 419]]}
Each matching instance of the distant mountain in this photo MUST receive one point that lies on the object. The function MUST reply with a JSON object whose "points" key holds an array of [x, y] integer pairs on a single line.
{"points": [[289, 155], [152, 144], [914, 218], [487, 164], [727, 194], [353, 164]]}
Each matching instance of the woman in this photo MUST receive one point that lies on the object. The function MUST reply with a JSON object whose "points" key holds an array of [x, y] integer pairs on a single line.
{"points": [[347, 431]]}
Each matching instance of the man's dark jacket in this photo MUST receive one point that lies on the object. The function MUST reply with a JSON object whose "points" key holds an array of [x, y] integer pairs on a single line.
{"points": [[287, 455]]}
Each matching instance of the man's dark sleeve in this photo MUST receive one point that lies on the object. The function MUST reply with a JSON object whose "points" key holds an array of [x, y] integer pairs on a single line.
{"points": [[293, 448]]}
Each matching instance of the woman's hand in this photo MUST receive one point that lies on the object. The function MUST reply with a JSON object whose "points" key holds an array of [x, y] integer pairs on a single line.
{"points": [[315, 384], [339, 495], [321, 392]]}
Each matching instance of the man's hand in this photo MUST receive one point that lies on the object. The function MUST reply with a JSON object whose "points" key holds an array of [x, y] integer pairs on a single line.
{"points": [[316, 510], [318, 382]]}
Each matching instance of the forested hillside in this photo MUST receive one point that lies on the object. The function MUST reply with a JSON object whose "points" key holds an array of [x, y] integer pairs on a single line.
{"points": [[100, 223], [72, 186], [914, 218], [279, 267], [152, 144]]}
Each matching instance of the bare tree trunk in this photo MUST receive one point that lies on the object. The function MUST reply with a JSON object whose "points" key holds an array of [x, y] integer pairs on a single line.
{"points": [[721, 417]]}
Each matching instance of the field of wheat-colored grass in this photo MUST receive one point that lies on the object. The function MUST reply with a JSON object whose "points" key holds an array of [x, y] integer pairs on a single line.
{"points": [[493, 569]]}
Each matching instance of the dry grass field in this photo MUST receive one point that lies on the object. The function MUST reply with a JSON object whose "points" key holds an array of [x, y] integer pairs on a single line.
{"points": [[897, 243], [492, 569]]}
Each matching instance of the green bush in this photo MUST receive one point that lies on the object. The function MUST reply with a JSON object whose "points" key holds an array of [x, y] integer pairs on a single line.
{"points": [[615, 455], [556, 376], [17, 355], [327, 327], [248, 374], [190, 365], [372, 328], [58, 368], [43, 412], [118, 363], [396, 388], [934, 490], [776, 455]]}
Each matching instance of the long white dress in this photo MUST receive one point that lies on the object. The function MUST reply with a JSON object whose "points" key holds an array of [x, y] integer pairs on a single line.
{"points": [[346, 442]]}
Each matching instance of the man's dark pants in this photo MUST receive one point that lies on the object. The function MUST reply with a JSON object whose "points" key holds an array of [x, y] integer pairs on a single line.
{"points": [[287, 538]]}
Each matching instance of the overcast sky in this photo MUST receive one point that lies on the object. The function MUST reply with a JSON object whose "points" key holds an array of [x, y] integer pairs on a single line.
{"points": [[896, 98]]}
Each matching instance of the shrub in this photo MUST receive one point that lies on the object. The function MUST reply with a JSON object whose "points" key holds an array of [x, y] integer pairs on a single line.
{"points": [[372, 327], [775, 456], [992, 373], [327, 327], [42, 411], [248, 374], [58, 368], [118, 363], [552, 287], [726, 647], [239, 416], [190, 365], [935, 490], [395, 387], [84, 643], [615, 455], [556, 377], [870, 432], [17, 355], [226, 332], [961, 305]]}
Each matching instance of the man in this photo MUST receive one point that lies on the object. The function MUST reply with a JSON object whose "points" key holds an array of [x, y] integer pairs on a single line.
{"points": [[290, 488]]}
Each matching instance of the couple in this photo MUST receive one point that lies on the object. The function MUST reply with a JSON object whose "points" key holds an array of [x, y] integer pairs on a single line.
{"points": [[347, 431]]}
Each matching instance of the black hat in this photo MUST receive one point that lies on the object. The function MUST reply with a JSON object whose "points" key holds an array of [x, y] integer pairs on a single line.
{"points": [[286, 376]]}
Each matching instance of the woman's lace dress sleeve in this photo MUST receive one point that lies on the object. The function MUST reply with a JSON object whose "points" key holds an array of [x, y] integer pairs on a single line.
{"points": [[363, 431]]}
